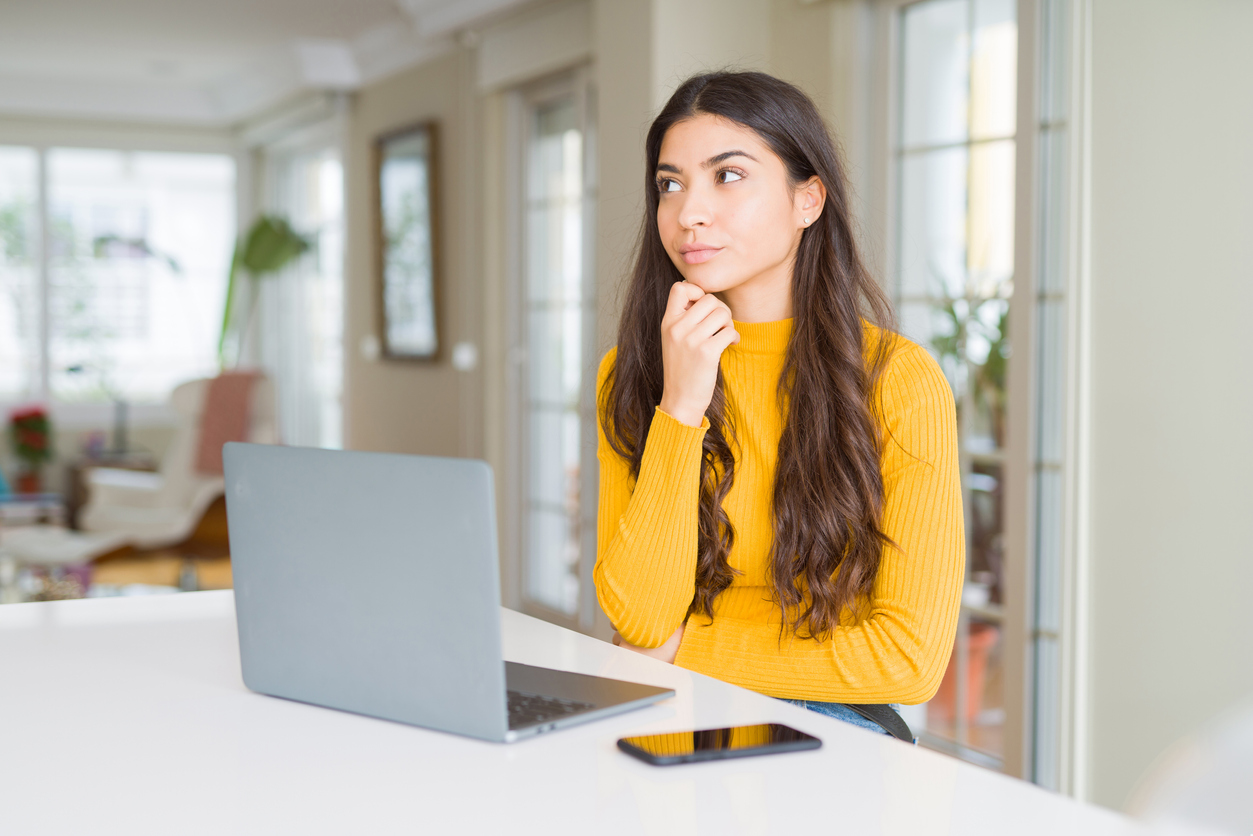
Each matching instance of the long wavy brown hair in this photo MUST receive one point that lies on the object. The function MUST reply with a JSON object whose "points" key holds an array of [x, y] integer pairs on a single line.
{"points": [[828, 487]]}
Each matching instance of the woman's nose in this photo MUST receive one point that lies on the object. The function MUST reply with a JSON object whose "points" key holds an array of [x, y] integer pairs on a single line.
{"points": [[696, 211]]}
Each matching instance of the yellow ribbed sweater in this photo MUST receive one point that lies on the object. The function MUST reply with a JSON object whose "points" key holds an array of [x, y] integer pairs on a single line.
{"points": [[895, 648]]}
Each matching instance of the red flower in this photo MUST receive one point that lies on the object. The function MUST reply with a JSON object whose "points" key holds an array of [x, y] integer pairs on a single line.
{"points": [[27, 412], [30, 434]]}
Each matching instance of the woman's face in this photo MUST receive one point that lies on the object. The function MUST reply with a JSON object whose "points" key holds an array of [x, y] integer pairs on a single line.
{"points": [[727, 214]]}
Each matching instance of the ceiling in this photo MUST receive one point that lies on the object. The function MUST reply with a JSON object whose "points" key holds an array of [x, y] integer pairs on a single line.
{"points": [[210, 62]]}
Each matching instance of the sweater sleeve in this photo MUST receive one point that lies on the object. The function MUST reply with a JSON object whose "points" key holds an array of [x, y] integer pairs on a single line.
{"points": [[646, 535], [898, 652]]}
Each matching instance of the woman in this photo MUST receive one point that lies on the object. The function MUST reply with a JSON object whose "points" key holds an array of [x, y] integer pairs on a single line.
{"points": [[779, 494]]}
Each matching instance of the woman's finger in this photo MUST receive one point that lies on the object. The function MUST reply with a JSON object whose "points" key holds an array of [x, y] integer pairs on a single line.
{"points": [[726, 337], [682, 297], [693, 316], [717, 319]]}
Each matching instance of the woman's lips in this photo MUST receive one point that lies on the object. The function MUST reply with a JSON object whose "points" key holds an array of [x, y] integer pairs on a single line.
{"points": [[700, 256]]}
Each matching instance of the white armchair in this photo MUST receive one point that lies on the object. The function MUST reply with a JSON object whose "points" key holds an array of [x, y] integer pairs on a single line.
{"points": [[160, 509], [144, 510]]}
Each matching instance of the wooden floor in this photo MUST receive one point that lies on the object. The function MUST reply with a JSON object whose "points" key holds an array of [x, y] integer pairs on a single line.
{"points": [[205, 555], [163, 568]]}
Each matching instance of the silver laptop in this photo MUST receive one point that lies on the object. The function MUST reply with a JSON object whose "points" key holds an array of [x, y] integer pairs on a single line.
{"points": [[369, 582]]}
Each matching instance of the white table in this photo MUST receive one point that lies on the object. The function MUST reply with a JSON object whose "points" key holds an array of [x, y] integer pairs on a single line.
{"points": [[129, 716]]}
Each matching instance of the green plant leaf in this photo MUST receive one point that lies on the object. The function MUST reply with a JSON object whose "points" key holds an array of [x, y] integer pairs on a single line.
{"points": [[101, 243], [269, 245]]}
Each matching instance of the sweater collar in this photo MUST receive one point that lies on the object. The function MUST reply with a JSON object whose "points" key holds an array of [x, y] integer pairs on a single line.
{"points": [[764, 337]]}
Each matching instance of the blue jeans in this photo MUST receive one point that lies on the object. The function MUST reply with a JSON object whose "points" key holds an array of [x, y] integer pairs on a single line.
{"points": [[843, 712]]}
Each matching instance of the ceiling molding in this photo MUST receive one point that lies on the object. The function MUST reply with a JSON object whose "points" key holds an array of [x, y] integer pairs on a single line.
{"points": [[329, 64], [387, 50], [123, 135], [91, 98], [258, 87], [527, 46], [439, 18], [288, 119]]}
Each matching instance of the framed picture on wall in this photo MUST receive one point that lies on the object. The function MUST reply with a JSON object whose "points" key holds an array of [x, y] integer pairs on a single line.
{"points": [[406, 232]]}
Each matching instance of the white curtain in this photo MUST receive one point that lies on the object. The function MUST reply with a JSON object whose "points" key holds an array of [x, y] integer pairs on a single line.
{"points": [[299, 333]]}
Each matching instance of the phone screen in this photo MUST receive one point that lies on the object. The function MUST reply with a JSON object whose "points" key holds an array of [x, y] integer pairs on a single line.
{"points": [[712, 744]]}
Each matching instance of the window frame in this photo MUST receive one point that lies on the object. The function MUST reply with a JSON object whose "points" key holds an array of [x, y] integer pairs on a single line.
{"points": [[1066, 734]]}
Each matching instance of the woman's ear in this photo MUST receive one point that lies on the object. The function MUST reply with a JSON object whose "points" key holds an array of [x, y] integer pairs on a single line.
{"points": [[811, 196]]}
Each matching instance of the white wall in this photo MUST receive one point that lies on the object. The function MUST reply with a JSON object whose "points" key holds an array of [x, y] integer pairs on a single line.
{"points": [[1172, 279], [622, 38], [692, 36]]}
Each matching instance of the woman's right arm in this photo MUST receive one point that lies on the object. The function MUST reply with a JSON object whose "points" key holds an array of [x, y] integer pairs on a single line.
{"points": [[646, 543], [646, 530]]}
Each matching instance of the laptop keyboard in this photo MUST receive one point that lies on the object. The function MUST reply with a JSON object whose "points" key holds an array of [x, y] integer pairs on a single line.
{"points": [[529, 709]]}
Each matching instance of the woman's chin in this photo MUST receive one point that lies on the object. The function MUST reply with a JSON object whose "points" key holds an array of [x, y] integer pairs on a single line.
{"points": [[707, 280]]}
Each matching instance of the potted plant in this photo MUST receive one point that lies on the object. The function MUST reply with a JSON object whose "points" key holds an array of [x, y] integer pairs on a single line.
{"points": [[985, 316], [30, 435]]}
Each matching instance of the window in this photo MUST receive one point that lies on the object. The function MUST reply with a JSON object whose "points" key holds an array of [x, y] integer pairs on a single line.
{"points": [[300, 310], [954, 156], [113, 270], [554, 339], [20, 300]]}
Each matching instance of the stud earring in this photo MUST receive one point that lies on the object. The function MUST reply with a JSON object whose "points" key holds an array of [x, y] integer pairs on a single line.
{"points": [[807, 220]]}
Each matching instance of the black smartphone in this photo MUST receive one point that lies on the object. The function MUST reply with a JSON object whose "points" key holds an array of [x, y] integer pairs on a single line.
{"points": [[715, 744]]}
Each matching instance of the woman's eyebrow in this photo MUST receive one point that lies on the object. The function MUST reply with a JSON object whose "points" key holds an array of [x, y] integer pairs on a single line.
{"points": [[709, 163], [726, 155]]}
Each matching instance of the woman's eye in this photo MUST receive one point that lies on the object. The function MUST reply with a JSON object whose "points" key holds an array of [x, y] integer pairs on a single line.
{"points": [[728, 176], [665, 184]]}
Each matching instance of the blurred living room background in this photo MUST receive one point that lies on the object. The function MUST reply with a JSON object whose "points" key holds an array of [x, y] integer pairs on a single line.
{"points": [[401, 225]]}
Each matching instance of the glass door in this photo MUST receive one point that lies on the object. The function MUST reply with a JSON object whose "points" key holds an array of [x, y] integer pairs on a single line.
{"points": [[554, 324]]}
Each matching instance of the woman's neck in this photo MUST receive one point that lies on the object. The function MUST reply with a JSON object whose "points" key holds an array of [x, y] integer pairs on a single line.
{"points": [[764, 298]]}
